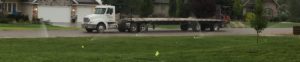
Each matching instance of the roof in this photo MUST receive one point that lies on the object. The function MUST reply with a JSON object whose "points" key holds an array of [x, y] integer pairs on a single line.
{"points": [[162, 1]]}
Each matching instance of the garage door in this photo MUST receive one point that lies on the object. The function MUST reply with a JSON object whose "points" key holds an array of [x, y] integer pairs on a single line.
{"points": [[83, 11], [55, 13]]}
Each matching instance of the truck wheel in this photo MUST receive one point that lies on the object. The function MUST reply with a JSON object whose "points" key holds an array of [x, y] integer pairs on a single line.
{"points": [[184, 27], [142, 27], [133, 28], [89, 30], [215, 27], [196, 27], [139, 27], [203, 27], [146, 26], [100, 28], [122, 27]]}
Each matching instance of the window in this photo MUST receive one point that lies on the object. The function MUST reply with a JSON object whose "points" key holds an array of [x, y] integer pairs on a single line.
{"points": [[10, 7], [109, 11], [100, 11]]}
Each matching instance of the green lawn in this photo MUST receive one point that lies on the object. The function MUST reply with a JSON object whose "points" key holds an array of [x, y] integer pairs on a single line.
{"points": [[235, 24], [270, 24], [30, 27], [283, 25], [169, 26], [142, 49]]}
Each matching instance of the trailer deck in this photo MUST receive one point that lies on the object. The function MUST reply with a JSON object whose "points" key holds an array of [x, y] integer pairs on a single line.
{"points": [[169, 20]]}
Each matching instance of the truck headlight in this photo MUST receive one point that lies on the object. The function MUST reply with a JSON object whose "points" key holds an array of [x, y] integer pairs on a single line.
{"points": [[86, 20]]}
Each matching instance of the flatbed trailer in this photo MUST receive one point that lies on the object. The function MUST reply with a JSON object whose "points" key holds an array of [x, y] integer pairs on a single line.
{"points": [[142, 24]]}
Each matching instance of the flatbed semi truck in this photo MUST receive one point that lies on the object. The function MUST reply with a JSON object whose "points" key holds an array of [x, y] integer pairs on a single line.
{"points": [[104, 19]]}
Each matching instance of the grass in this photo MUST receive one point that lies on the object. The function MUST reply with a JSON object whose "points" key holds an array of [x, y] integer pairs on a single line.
{"points": [[169, 26], [235, 24], [270, 25], [142, 49], [283, 25], [30, 27]]}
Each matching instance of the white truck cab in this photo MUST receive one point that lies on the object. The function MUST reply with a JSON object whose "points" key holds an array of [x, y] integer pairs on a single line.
{"points": [[102, 19]]}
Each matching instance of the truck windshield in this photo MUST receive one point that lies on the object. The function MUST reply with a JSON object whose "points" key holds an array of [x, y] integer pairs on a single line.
{"points": [[100, 10]]}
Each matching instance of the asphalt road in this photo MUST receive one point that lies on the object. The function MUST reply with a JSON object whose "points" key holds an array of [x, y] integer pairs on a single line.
{"points": [[161, 32]]}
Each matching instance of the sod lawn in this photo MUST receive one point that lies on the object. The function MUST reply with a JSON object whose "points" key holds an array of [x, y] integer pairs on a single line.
{"points": [[21, 26], [151, 49]]}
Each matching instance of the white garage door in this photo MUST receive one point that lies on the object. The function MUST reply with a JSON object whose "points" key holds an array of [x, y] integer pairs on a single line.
{"points": [[83, 11], [55, 13]]}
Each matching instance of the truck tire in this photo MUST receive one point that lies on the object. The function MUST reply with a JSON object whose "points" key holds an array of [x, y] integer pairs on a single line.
{"points": [[184, 27], [139, 27], [196, 27], [122, 27], [215, 27], [100, 28], [203, 27], [133, 28], [142, 27], [89, 30]]}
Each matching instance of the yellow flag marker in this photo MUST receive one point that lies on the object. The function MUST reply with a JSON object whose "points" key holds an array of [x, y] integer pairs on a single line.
{"points": [[157, 53], [82, 46]]}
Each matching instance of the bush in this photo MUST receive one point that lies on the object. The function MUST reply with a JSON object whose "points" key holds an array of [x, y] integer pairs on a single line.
{"points": [[294, 20], [249, 16], [6, 20], [279, 18], [18, 18]]}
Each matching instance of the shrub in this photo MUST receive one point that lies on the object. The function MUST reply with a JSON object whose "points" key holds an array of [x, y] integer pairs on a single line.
{"points": [[279, 18], [249, 16], [6, 20], [294, 20], [18, 18]]}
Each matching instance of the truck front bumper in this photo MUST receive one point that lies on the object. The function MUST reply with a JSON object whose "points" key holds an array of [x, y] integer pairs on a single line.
{"points": [[89, 26]]}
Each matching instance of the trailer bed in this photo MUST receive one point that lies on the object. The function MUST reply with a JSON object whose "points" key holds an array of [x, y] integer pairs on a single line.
{"points": [[168, 19]]}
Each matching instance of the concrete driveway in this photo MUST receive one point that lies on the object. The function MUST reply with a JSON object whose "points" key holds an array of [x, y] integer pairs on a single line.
{"points": [[161, 32]]}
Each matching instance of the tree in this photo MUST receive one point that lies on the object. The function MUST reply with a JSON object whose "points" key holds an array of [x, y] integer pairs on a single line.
{"points": [[142, 8], [147, 8], [237, 9], [225, 2], [294, 10], [179, 8], [172, 8], [259, 24], [203, 8], [120, 4]]}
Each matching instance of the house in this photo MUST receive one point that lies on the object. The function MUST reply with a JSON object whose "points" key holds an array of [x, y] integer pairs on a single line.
{"points": [[271, 7], [53, 10], [161, 8]]}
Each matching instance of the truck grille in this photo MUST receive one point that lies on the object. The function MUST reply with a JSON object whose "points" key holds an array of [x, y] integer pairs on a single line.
{"points": [[86, 20]]}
